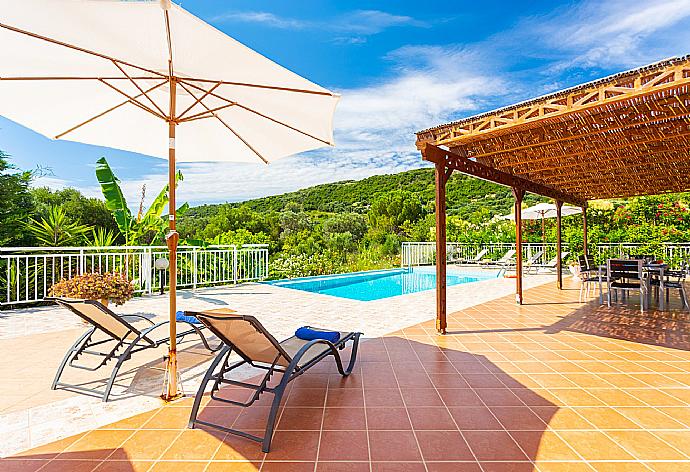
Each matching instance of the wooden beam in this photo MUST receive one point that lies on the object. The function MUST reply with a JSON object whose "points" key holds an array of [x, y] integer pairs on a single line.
{"points": [[441, 179], [519, 194], [584, 230], [467, 166], [559, 263]]}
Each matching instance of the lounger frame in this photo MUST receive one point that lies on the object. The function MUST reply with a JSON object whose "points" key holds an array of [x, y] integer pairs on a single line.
{"points": [[133, 341], [289, 373]]}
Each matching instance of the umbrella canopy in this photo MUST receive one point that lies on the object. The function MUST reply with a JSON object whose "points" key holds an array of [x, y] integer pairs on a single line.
{"points": [[544, 210], [540, 211], [151, 78]]}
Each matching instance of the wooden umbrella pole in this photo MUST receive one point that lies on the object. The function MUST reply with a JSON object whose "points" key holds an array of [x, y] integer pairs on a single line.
{"points": [[171, 240]]}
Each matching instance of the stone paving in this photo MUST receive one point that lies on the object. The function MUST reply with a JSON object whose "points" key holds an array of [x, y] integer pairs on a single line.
{"points": [[33, 341]]}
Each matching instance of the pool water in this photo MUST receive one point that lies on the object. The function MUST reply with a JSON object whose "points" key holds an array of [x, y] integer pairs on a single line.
{"points": [[378, 284]]}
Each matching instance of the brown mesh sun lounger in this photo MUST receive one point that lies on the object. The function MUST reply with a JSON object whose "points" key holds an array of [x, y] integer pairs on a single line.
{"points": [[247, 337], [115, 333]]}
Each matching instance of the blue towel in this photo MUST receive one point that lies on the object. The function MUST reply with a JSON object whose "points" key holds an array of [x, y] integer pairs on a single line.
{"points": [[309, 334], [180, 316]]}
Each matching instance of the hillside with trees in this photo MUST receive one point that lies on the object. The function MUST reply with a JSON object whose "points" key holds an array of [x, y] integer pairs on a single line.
{"points": [[335, 227]]}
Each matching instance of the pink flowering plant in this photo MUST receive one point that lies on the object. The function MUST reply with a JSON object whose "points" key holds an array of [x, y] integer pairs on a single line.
{"points": [[111, 286]]}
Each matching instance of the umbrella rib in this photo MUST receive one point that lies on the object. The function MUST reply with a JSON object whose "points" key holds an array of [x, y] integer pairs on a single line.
{"points": [[179, 117], [262, 115], [74, 128], [76, 78], [76, 48], [139, 88], [270, 87], [207, 111], [133, 100], [226, 125]]}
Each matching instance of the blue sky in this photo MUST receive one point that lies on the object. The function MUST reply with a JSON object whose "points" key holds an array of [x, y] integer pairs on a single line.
{"points": [[400, 66]]}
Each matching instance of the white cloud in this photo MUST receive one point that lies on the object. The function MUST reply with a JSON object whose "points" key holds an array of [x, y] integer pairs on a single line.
{"points": [[358, 22]]}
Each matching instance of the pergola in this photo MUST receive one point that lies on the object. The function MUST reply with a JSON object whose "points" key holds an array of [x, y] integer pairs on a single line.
{"points": [[621, 136]]}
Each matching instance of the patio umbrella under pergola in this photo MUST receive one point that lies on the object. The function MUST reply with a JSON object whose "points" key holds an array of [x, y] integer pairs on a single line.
{"points": [[540, 211], [151, 78]]}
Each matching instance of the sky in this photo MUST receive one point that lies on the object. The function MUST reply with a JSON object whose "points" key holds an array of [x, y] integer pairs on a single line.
{"points": [[400, 66]]}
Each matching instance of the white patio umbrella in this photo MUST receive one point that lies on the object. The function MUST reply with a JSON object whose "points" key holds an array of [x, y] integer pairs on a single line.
{"points": [[149, 77], [541, 211]]}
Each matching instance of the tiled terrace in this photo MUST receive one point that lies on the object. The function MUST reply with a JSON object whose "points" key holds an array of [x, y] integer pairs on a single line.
{"points": [[551, 385]]}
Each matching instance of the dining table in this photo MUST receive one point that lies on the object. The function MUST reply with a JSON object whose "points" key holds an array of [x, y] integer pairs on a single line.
{"points": [[652, 269]]}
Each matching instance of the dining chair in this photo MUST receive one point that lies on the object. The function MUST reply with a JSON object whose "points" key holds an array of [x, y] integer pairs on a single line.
{"points": [[673, 280], [626, 275]]}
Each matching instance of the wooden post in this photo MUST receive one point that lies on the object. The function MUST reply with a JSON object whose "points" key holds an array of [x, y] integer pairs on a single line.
{"points": [[519, 195], [441, 179], [171, 240], [584, 230], [559, 268]]}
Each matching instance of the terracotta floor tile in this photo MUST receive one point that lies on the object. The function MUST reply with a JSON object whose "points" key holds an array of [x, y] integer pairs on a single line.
{"points": [[134, 422], [383, 397], [453, 467], [443, 446], [223, 416], [544, 446], [421, 397], [579, 397], [97, 444], [124, 466], [475, 418], [236, 467], [393, 446], [487, 380], [650, 418], [306, 397], [176, 466], [387, 419], [69, 465], [169, 418], [680, 414], [493, 446], [294, 446], [194, 444], [514, 418], [459, 397], [431, 418], [50, 450], [645, 446], [306, 418], [619, 466], [594, 445], [656, 397], [499, 397], [344, 445], [22, 465], [678, 439], [342, 466], [287, 467], [345, 397], [344, 419], [148, 445], [237, 448], [448, 381], [398, 467], [607, 418]]}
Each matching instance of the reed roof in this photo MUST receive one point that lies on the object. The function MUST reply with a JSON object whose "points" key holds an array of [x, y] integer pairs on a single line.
{"points": [[624, 135]]}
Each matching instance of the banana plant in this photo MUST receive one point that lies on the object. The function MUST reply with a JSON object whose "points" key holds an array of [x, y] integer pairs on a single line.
{"points": [[135, 229]]}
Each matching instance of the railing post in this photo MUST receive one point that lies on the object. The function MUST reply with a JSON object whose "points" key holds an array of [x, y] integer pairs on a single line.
{"points": [[234, 264], [195, 269], [146, 269], [81, 261]]}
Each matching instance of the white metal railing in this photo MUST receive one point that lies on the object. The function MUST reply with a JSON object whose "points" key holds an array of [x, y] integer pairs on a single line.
{"points": [[424, 253], [26, 274]]}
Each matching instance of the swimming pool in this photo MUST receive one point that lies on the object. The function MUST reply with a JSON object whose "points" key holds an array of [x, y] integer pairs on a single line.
{"points": [[378, 284]]}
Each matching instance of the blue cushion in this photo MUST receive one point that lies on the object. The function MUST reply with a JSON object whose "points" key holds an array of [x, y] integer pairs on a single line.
{"points": [[180, 316], [309, 334]]}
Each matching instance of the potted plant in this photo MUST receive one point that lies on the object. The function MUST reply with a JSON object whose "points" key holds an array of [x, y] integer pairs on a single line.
{"points": [[107, 287], [574, 268]]}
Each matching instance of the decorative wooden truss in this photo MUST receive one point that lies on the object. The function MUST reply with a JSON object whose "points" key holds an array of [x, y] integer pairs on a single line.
{"points": [[624, 135]]}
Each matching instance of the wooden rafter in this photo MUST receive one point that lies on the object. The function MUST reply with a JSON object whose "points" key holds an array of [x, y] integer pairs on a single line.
{"points": [[621, 136]]}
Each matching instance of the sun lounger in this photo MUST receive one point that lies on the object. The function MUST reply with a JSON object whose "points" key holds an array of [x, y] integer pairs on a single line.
{"points": [[477, 259], [549, 265], [503, 261], [113, 332], [246, 336]]}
